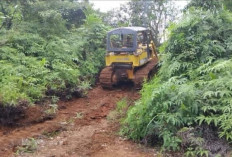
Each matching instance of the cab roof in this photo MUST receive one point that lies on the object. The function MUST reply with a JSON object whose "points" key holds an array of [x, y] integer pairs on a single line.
{"points": [[131, 29]]}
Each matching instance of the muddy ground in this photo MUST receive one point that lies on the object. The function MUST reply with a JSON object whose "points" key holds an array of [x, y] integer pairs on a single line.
{"points": [[81, 128]]}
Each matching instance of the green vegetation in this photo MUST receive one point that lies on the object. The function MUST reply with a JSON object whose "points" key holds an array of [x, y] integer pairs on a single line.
{"points": [[188, 104], [149, 14], [54, 49], [28, 146], [120, 110], [48, 48]]}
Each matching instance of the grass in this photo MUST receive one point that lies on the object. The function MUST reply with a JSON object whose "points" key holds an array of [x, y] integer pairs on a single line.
{"points": [[29, 145], [119, 111]]}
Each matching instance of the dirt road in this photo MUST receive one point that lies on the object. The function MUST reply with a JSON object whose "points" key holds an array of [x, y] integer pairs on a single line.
{"points": [[82, 128]]}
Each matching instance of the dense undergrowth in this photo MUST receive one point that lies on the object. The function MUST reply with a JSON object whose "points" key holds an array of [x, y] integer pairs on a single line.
{"points": [[48, 48], [188, 105]]}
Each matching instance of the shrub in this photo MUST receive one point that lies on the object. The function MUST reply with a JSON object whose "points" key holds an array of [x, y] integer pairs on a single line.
{"points": [[193, 86], [47, 53]]}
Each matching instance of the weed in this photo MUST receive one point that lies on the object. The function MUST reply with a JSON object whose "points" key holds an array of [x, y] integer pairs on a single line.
{"points": [[52, 134], [113, 115], [120, 110], [122, 106], [78, 115], [192, 152], [84, 87], [71, 120], [53, 108], [54, 99], [28, 146]]}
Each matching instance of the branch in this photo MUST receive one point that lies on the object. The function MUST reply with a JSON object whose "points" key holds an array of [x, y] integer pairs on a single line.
{"points": [[4, 12]]}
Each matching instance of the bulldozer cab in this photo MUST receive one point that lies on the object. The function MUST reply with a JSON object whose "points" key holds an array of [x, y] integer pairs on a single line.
{"points": [[131, 56], [127, 39]]}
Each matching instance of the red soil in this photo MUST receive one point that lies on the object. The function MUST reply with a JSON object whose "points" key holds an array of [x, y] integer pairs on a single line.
{"points": [[83, 127]]}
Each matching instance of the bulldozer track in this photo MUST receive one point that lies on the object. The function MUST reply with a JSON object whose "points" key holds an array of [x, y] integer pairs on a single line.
{"points": [[105, 77], [141, 74], [144, 72]]}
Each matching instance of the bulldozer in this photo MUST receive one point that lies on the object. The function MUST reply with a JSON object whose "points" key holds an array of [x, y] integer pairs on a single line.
{"points": [[131, 56]]}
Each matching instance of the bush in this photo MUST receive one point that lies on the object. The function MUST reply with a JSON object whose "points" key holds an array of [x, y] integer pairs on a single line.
{"points": [[46, 52], [193, 86]]}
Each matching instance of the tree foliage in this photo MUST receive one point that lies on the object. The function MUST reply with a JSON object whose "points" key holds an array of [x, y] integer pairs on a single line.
{"points": [[154, 14], [50, 49], [206, 4], [192, 88], [228, 4], [212, 5]]}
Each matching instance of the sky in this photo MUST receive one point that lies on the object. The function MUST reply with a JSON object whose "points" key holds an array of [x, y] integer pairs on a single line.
{"points": [[106, 5]]}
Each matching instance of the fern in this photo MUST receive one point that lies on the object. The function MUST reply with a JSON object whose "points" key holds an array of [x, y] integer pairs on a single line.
{"points": [[193, 87]]}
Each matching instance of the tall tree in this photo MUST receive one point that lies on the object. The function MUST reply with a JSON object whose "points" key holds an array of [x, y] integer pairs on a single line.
{"points": [[228, 4], [9, 12], [154, 14], [212, 5]]}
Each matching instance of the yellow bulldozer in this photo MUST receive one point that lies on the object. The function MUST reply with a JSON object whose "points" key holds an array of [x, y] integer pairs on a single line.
{"points": [[131, 56]]}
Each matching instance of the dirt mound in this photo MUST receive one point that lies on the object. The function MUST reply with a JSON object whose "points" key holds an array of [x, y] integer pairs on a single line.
{"points": [[23, 115], [10, 115]]}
